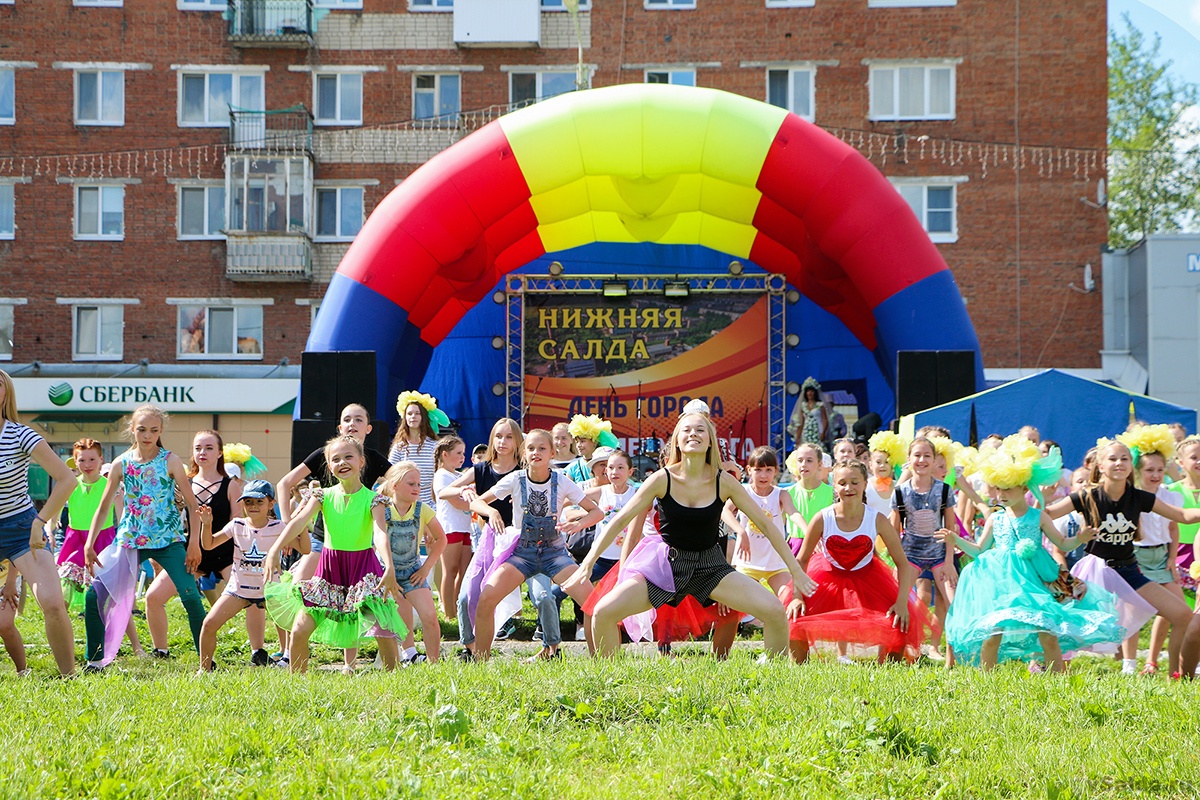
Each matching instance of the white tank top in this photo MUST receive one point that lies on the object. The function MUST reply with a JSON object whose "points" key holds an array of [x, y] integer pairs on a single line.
{"points": [[610, 503], [762, 554], [841, 547]]}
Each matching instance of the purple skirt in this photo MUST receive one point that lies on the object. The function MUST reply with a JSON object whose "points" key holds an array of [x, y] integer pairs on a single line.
{"points": [[343, 578], [71, 564]]}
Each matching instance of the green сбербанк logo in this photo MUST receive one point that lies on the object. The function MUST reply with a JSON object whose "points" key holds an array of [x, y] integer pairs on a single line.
{"points": [[61, 393]]}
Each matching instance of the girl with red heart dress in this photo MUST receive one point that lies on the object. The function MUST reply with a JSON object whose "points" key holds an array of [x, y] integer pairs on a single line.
{"points": [[858, 599]]}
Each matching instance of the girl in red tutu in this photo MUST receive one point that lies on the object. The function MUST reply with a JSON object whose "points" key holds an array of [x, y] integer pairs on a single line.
{"points": [[857, 599]]}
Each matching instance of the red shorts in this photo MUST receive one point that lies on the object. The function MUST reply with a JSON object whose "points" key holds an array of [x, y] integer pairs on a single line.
{"points": [[459, 538]]}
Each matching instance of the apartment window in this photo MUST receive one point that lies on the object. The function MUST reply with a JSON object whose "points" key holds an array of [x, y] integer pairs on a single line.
{"points": [[268, 194], [109, 3], [791, 89], [670, 3], [339, 212], [791, 3], [100, 212], [337, 3], [675, 77], [202, 5], [98, 332], [8, 209], [206, 97], [437, 97], [530, 87], [430, 5], [6, 331], [560, 5], [201, 212], [8, 97], [338, 98], [912, 92], [99, 97], [220, 331], [935, 204]]}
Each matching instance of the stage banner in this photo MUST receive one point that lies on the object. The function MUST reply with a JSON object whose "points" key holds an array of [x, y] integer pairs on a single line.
{"points": [[586, 354]]}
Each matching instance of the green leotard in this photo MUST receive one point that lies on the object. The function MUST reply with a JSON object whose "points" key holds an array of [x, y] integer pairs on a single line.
{"points": [[85, 502], [1187, 533], [348, 522], [809, 504]]}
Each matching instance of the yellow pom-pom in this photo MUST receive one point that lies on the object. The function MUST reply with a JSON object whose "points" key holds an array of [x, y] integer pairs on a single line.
{"points": [[588, 427], [1001, 469], [1150, 439], [1020, 449], [893, 444], [945, 448], [407, 398], [237, 453], [967, 458], [1194, 570]]}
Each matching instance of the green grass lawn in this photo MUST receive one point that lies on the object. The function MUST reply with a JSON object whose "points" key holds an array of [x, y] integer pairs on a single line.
{"points": [[636, 727]]}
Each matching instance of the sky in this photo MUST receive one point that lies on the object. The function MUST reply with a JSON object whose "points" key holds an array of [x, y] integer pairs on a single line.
{"points": [[1177, 22]]}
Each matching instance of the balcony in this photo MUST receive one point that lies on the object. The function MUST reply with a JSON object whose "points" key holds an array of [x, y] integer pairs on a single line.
{"points": [[271, 23], [497, 23], [261, 256], [287, 131]]}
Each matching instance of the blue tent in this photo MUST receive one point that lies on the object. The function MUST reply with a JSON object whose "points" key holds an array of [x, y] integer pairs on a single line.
{"points": [[1072, 411]]}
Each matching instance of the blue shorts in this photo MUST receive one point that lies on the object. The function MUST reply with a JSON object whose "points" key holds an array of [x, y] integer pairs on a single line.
{"points": [[317, 544], [404, 572], [547, 559], [257, 602], [1131, 574], [14, 534]]}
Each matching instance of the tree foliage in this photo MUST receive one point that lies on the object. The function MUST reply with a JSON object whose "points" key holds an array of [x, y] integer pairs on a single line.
{"points": [[1153, 141]]}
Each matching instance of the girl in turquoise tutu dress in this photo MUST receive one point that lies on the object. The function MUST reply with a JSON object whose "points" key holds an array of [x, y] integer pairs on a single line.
{"points": [[1011, 603]]}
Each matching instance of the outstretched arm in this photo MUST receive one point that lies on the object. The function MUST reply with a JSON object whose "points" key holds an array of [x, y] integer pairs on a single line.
{"points": [[734, 491]]}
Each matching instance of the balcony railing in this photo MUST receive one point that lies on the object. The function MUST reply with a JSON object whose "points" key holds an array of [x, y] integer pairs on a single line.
{"points": [[268, 256], [285, 131], [271, 23]]}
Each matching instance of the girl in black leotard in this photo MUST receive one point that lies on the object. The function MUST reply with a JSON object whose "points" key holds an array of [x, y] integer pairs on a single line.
{"points": [[691, 491]]}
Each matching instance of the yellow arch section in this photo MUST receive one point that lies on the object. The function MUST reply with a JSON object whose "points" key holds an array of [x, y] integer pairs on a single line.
{"points": [[642, 163]]}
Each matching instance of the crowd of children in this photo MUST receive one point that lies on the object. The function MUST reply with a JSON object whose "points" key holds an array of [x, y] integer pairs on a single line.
{"points": [[886, 544]]}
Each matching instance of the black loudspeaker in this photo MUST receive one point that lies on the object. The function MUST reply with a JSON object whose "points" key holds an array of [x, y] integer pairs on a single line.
{"points": [[331, 381], [927, 378], [308, 435]]}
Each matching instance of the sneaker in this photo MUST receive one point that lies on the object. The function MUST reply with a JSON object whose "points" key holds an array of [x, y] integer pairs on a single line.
{"points": [[283, 661], [157, 653], [537, 634], [845, 660], [1036, 668], [419, 658], [92, 669], [506, 630], [580, 633], [466, 656], [259, 658], [278, 654], [664, 650], [545, 654]]}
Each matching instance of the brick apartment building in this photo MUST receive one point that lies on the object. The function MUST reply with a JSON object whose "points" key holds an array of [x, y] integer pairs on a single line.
{"points": [[137, 223]]}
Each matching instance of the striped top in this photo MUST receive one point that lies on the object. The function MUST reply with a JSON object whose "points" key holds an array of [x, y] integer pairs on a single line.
{"points": [[422, 456], [16, 449]]}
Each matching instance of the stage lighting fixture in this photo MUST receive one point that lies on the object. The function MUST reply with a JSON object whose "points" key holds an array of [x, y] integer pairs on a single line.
{"points": [[616, 288], [735, 268], [498, 342], [792, 340], [793, 296], [676, 289], [498, 389], [556, 268], [792, 388]]}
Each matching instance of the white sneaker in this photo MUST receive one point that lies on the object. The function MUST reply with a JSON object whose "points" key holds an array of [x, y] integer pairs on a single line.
{"points": [[580, 634], [845, 660]]}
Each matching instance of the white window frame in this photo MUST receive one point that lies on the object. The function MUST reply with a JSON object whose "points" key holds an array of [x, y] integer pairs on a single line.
{"points": [[671, 73], [791, 3], [810, 73], [100, 78], [437, 119], [910, 3], [223, 303], [8, 189], [427, 6], [206, 187], [101, 189], [894, 67], [314, 305], [348, 5], [243, 175], [236, 72], [560, 5], [539, 91], [98, 3], [8, 306], [338, 119], [668, 5], [9, 74], [925, 183], [337, 224], [110, 305], [202, 5]]}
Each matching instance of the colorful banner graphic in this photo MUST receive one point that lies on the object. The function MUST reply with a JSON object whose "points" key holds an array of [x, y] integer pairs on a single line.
{"points": [[592, 355]]}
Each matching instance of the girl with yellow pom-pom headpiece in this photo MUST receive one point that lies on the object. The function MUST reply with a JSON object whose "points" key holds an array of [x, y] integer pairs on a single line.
{"points": [[589, 432], [421, 422], [1010, 603]]}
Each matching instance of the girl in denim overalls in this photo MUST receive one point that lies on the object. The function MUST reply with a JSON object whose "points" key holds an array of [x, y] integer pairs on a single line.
{"points": [[409, 521], [539, 494]]}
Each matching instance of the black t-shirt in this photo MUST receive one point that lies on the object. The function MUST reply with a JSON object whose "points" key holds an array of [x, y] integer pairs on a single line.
{"points": [[377, 465], [485, 478], [1115, 521]]}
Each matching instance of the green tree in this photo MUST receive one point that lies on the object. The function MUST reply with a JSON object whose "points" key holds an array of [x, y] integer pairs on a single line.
{"points": [[1154, 150]]}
